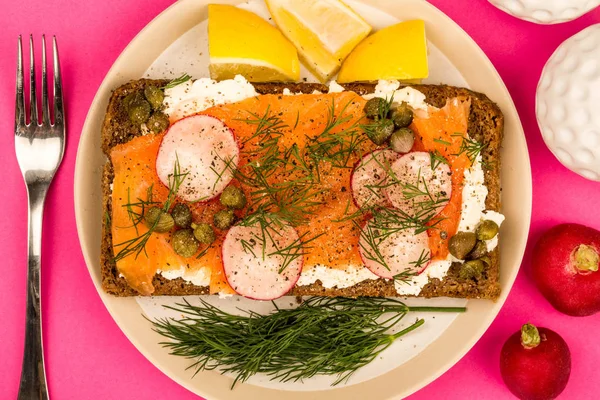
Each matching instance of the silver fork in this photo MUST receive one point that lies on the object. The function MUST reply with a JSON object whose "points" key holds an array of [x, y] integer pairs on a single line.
{"points": [[39, 147]]}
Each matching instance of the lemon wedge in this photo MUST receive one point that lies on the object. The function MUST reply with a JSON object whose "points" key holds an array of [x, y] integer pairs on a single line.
{"points": [[241, 42], [396, 52], [323, 31]]}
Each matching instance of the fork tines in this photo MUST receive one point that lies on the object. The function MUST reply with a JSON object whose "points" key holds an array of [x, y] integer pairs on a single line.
{"points": [[20, 114]]}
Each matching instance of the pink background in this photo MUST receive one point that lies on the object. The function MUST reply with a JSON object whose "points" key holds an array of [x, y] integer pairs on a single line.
{"points": [[87, 355]]}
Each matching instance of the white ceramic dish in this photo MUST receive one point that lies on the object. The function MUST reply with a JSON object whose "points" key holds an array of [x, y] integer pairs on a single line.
{"points": [[546, 11], [394, 380], [567, 103]]}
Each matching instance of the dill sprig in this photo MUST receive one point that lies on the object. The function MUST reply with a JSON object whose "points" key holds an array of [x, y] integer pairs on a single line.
{"points": [[177, 81], [322, 336], [386, 221], [137, 245], [437, 159], [472, 148], [271, 227], [444, 142], [332, 145]]}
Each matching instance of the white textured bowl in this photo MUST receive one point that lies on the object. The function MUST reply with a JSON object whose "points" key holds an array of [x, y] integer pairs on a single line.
{"points": [[546, 11], [567, 103]]}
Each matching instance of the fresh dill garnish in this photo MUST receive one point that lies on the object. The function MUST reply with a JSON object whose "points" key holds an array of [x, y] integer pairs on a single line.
{"points": [[437, 159], [472, 148], [444, 142], [404, 276], [107, 219], [332, 145], [177, 81], [137, 245], [203, 252], [322, 336], [281, 188], [386, 221], [229, 166], [423, 260], [271, 226], [137, 215]]}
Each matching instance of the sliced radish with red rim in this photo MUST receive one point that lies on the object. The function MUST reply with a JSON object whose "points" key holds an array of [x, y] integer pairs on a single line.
{"points": [[369, 177], [258, 265], [391, 253], [207, 153], [419, 188]]}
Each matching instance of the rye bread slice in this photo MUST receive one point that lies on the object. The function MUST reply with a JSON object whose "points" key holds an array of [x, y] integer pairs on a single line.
{"points": [[486, 125]]}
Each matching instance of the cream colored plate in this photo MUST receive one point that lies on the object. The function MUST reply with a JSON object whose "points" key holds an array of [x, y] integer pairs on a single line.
{"points": [[387, 381]]}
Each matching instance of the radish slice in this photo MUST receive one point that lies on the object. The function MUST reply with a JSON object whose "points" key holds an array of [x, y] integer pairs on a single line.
{"points": [[372, 170], [401, 253], [414, 175], [251, 268], [206, 150]]}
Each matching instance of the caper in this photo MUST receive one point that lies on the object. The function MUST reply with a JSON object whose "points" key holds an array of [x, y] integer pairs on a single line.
{"points": [[487, 230], [402, 140], [380, 131], [402, 115], [184, 243], [158, 122], [374, 107], [224, 219], [486, 260], [132, 97], [478, 251], [233, 197], [139, 111], [182, 215], [461, 244], [204, 233], [155, 96], [160, 220], [471, 269]]}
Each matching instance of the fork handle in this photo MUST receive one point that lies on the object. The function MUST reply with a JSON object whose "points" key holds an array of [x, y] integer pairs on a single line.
{"points": [[33, 375]]}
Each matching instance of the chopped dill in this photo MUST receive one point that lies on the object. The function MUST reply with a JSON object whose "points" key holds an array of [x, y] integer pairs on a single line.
{"points": [[470, 147], [437, 159], [177, 81], [444, 142]]}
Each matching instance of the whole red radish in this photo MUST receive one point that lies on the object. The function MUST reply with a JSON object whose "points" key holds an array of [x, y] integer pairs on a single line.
{"points": [[535, 363], [565, 268]]}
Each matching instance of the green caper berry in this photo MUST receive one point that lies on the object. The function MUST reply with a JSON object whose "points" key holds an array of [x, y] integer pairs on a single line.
{"points": [[133, 97], [139, 111], [478, 251], [402, 140], [158, 122], [233, 197], [224, 219], [486, 260], [184, 243], [487, 230], [204, 233], [182, 215], [381, 131], [402, 116], [160, 220], [461, 244], [374, 107], [471, 269], [155, 96]]}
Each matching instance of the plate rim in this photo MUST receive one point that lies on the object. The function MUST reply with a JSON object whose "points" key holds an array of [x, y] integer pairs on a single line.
{"points": [[98, 105]]}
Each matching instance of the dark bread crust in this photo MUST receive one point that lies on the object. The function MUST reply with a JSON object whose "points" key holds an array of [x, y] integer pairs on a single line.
{"points": [[486, 124]]}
